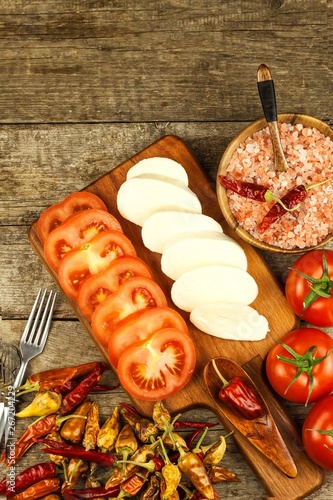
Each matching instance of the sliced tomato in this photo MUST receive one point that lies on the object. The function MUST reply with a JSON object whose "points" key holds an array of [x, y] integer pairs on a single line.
{"points": [[77, 230], [91, 258], [141, 325], [55, 215], [134, 294], [156, 368], [98, 287]]}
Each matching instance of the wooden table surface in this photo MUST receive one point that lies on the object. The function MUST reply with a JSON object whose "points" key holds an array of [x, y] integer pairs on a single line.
{"points": [[87, 84]]}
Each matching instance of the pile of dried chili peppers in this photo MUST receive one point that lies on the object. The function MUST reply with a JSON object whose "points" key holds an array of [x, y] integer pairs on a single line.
{"points": [[128, 455]]}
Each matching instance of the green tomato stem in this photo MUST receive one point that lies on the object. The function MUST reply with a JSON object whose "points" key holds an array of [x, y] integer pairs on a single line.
{"points": [[304, 364]]}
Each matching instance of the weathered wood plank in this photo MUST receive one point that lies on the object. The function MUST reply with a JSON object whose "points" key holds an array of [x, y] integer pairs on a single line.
{"points": [[83, 350], [151, 61]]}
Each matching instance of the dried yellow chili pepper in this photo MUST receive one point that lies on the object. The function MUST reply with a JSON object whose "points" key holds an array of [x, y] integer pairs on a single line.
{"points": [[170, 474], [143, 428], [73, 429], [92, 427], [214, 452], [126, 443], [74, 472], [43, 404], [161, 415], [57, 459], [220, 474], [107, 436]]}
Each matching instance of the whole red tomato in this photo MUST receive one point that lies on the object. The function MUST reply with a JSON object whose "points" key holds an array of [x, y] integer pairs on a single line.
{"points": [[300, 367], [309, 287], [317, 433]]}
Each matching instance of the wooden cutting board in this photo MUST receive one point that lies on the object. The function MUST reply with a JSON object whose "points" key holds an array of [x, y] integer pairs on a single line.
{"points": [[270, 302]]}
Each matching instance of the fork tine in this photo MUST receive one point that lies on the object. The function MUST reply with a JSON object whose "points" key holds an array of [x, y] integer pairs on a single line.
{"points": [[31, 317], [45, 323]]}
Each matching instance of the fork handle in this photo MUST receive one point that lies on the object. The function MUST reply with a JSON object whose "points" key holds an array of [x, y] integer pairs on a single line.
{"points": [[20, 375]]}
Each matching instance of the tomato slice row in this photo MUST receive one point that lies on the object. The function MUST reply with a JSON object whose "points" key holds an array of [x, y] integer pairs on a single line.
{"points": [[97, 266]]}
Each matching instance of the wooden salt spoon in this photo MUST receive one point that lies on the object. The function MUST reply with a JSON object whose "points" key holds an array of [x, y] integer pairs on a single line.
{"points": [[262, 431], [268, 102]]}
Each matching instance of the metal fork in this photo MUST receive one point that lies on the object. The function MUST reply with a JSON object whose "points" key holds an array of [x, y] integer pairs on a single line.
{"points": [[32, 342]]}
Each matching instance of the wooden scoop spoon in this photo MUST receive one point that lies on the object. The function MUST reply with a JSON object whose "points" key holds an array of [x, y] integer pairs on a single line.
{"points": [[268, 102], [261, 432]]}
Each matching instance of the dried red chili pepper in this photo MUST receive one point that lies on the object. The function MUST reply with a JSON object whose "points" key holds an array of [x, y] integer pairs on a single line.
{"points": [[77, 395], [75, 451], [192, 437], [3, 483], [48, 379], [240, 396], [250, 190], [39, 489], [91, 493], [132, 485], [51, 496], [72, 384], [28, 477], [183, 424], [158, 463], [129, 408], [40, 428], [287, 203]]}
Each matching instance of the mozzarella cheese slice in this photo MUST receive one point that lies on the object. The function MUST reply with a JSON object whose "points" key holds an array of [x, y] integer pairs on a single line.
{"points": [[208, 284], [141, 196], [160, 166], [230, 321], [187, 251], [161, 226]]}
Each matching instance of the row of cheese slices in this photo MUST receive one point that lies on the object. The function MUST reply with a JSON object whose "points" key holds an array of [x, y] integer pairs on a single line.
{"points": [[208, 267]]}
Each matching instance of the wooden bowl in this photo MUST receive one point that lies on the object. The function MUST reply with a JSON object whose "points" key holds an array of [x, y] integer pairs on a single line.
{"points": [[292, 118]]}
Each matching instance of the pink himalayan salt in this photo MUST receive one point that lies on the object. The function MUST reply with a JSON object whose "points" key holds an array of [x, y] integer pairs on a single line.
{"points": [[309, 154]]}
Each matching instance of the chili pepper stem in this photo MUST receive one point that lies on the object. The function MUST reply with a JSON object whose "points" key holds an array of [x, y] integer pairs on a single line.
{"points": [[225, 382], [26, 391], [146, 465], [197, 449], [270, 196]]}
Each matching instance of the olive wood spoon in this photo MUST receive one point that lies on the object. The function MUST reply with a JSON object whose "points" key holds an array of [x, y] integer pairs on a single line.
{"points": [[261, 432], [268, 101]]}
